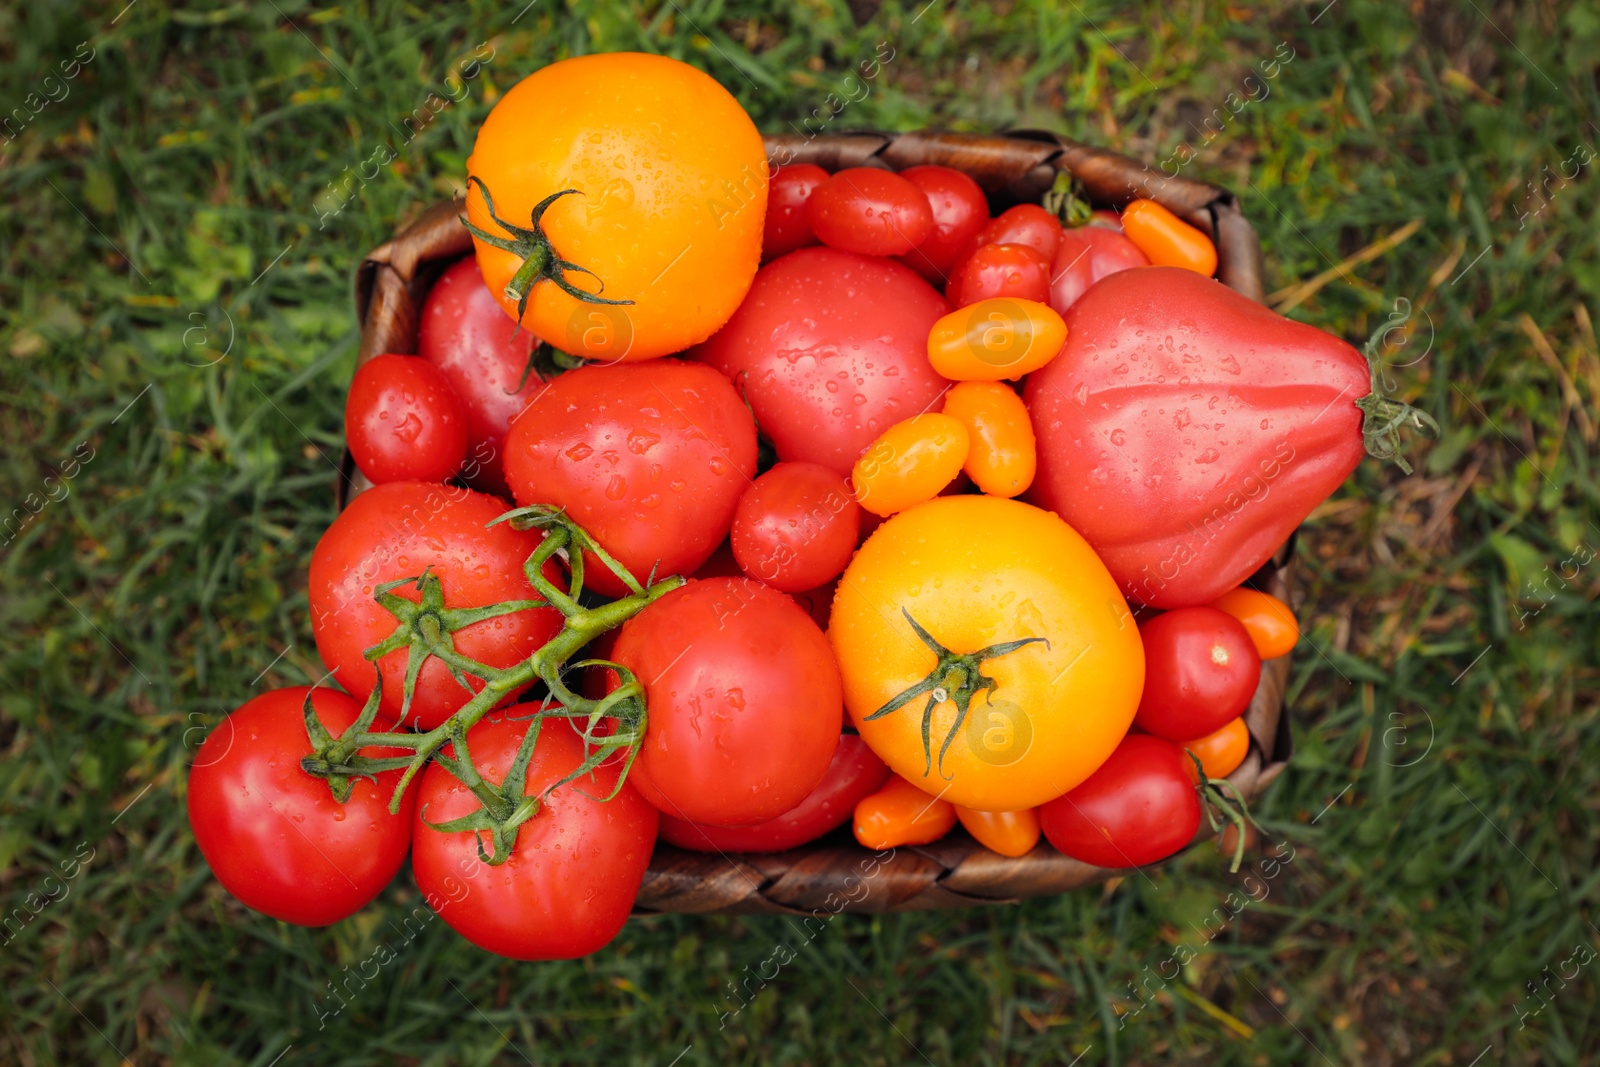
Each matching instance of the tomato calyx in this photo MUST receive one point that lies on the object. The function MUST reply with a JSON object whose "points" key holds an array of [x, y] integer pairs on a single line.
{"points": [[1064, 202], [956, 677], [1383, 416], [540, 261], [504, 809], [1218, 795]]}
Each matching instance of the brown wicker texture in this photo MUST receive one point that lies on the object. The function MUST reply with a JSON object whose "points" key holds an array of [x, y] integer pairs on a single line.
{"points": [[836, 874]]}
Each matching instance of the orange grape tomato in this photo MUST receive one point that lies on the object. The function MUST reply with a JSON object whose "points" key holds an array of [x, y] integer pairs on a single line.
{"points": [[1221, 753], [999, 338], [1003, 454], [901, 814], [1267, 619], [910, 462], [1167, 240], [1010, 833]]}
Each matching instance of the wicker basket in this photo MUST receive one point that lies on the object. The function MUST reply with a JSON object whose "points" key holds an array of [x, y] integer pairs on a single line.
{"points": [[835, 874]]}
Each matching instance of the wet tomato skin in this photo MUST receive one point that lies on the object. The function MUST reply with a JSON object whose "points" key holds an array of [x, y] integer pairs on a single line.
{"points": [[403, 421], [960, 210], [1018, 271], [870, 211], [788, 192], [796, 527]]}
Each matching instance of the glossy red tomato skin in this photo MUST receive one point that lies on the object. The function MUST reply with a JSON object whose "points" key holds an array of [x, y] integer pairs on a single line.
{"points": [[855, 774], [273, 834], [1139, 807], [870, 211], [396, 531], [1016, 271], [960, 211], [464, 333], [649, 458], [1024, 224], [1085, 255], [744, 698], [820, 328], [402, 421], [788, 191], [796, 527], [573, 874], [1201, 669]]}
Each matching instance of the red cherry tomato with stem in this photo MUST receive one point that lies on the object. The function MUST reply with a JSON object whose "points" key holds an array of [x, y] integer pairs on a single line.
{"points": [[1201, 669], [1141, 806]]}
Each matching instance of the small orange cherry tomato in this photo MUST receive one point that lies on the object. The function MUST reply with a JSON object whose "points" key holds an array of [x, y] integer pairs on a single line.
{"points": [[910, 463], [1010, 833], [1003, 337], [901, 814], [1221, 753], [1167, 240], [1003, 453], [1267, 619]]}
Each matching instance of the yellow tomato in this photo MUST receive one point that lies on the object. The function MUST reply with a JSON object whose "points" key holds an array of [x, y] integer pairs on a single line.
{"points": [[1220, 753], [671, 195], [1010, 833], [901, 814], [1003, 454], [910, 463], [1268, 620], [1001, 606], [1002, 337]]}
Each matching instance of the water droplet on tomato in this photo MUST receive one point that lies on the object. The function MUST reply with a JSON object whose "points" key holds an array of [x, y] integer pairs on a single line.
{"points": [[616, 487], [641, 441], [1210, 455], [1119, 438], [578, 453], [408, 428]]}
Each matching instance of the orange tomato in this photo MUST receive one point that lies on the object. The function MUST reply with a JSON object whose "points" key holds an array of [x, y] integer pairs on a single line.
{"points": [[659, 187], [1221, 753], [1167, 240], [1003, 455], [910, 462], [1267, 619], [994, 339], [1010, 833], [901, 814]]}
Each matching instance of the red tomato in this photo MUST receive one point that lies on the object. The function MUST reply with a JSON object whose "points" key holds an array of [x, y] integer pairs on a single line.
{"points": [[1087, 254], [396, 531], [870, 211], [788, 190], [1201, 669], [573, 874], [1139, 807], [960, 210], [403, 422], [463, 332], [1000, 270], [744, 700], [273, 834], [796, 527], [854, 774], [818, 602], [649, 458], [1025, 224], [831, 349]]}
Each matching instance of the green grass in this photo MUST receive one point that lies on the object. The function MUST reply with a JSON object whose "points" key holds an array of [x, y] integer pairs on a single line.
{"points": [[172, 303]]}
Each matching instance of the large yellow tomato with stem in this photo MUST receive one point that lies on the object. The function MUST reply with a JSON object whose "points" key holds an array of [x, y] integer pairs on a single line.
{"points": [[616, 203], [987, 655]]}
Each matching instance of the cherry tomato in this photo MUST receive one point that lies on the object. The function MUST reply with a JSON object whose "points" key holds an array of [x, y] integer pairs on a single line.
{"points": [[576, 866], [901, 814], [743, 698], [796, 527], [994, 339], [1010, 833], [960, 210], [1087, 254], [1220, 753], [1167, 239], [870, 211], [1015, 271], [273, 834], [649, 459], [1025, 224], [399, 530], [910, 463], [787, 193], [855, 773], [976, 572], [1001, 458], [1139, 807], [831, 349], [1201, 670], [1268, 620], [670, 195], [403, 422], [483, 355]]}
